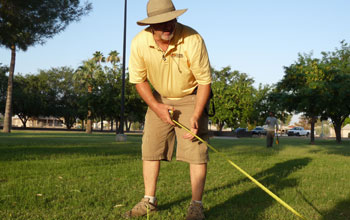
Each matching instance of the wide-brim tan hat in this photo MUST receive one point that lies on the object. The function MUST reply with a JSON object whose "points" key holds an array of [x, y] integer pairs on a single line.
{"points": [[159, 11]]}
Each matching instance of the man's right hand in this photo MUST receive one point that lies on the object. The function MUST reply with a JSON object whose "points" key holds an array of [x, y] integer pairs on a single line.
{"points": [[162, 111]]}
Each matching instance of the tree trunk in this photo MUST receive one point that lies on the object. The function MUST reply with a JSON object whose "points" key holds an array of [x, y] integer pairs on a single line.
{"points": [[220, 126], [89, 123], [101, 123], [89, 120], [24, 120], [337, 129], [312, 135], [116, 126], [112, 125], [8, 108]]}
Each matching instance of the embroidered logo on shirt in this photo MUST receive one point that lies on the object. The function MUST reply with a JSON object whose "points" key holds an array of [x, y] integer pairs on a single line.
{"points": [[178, 55]]}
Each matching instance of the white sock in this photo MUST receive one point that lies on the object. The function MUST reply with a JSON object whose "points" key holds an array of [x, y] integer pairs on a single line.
{"points": [[196, 201], [152, 199]]}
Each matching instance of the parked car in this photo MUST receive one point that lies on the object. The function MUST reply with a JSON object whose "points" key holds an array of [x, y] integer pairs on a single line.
{"points": [[259, 131], [242, 132], [298, 131]]}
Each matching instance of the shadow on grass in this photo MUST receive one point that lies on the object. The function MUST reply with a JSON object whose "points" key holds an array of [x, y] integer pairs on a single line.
{"points": [[340, 212], [331, 147], [250, 204], [325, 146]]}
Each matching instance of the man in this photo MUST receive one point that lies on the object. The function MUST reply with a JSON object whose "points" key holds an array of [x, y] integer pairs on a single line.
{"points": [[173, 59], [271, 123]]}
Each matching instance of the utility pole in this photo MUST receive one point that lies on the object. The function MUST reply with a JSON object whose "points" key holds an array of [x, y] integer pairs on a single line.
{"points": [[121, 137]]}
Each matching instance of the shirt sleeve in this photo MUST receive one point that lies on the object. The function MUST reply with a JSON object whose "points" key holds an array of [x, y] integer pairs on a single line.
{"points": [[199, 60], [137, 67]]}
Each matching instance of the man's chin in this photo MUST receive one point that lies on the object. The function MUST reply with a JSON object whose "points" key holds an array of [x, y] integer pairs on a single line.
{"points": [[167, 37]]}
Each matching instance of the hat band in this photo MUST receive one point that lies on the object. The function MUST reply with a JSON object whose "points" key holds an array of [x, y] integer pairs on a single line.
{"points": [[154, 13]]}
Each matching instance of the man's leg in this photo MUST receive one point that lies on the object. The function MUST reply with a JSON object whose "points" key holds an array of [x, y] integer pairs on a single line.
{"points": [[149, 202], [150, 176], [269, 139], [198, 174]]}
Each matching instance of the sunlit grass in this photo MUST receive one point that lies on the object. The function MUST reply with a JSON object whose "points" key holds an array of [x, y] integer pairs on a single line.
{"points": [[67, 175]]}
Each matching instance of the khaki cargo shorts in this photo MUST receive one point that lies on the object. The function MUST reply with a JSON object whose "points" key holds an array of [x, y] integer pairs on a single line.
{"points": [[158, 140]]}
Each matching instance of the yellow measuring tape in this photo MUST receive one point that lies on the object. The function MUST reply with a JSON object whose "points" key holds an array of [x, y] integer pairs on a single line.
{"points": [[242, 171]]}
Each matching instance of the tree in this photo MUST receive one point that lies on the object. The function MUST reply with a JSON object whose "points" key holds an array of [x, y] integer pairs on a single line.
{"points": [[113, 88], [98, 57], [337, 85], [114, 59], [109, 94], [64, 97], [90, 76], [27, 23], [135, 107], [3, 86], [302, 88], [232, 98], [27, 97], [262, 105]]}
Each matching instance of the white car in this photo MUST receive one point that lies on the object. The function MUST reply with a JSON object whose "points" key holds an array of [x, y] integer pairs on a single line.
{"points": [[298, 131]]}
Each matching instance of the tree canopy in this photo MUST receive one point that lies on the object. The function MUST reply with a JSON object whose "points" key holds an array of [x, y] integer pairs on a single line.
{"points": [[232, 97], [26, 23], [30, 22], [318, 87]]}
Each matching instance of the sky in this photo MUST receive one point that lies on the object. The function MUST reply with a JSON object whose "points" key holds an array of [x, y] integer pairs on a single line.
{"points": [[256, 37]]}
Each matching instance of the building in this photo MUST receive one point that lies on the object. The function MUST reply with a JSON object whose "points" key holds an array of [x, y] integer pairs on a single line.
{"points": [[41, 122]]}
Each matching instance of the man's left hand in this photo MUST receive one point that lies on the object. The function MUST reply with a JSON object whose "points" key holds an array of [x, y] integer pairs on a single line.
{"points": [[194, 128]]}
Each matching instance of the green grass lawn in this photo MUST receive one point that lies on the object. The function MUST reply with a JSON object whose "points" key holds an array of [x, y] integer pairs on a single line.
{"points": [[66, 175]]}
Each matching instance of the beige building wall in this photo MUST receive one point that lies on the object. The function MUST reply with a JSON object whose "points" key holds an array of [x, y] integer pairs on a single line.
{"points": [[42, 122], [345, 131]]}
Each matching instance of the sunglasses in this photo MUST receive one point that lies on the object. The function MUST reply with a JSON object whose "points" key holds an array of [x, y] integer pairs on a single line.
{"points": [[169, 25]]}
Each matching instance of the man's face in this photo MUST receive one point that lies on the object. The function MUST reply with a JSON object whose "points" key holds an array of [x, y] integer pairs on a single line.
{"points": [[164, 31]]}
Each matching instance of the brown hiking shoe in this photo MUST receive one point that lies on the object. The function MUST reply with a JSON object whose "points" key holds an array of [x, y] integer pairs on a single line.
{"points": [[140, 209], [195, 212]]}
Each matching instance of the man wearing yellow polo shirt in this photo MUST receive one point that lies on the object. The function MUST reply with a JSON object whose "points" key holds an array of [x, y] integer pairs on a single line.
{"points": [[172, 58]]}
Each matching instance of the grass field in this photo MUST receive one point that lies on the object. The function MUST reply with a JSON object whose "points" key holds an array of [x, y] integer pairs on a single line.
{"points": [[66, 175]]}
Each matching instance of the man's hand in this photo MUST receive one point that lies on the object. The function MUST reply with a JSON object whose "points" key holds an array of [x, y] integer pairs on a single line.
{"points": [[194, 128], [162, 111], [202, 97]]}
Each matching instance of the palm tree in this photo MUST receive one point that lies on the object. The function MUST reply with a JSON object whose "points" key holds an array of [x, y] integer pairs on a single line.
{"points": [[85, 75], [8, 108], [113, 59], [98, 57]]}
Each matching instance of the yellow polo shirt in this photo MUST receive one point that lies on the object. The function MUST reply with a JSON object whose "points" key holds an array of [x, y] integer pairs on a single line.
{"points": [[177, 72]]}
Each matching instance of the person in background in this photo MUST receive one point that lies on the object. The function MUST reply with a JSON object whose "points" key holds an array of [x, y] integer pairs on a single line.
{"points": [[173, 59], [272, 125]]}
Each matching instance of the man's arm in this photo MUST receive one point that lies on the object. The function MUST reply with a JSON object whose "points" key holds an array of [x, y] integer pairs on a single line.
{"points": [[160, 109], [203, 93]]}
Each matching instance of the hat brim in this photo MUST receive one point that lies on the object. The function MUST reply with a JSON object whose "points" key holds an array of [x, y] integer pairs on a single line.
{"points": [[161, 18]]}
